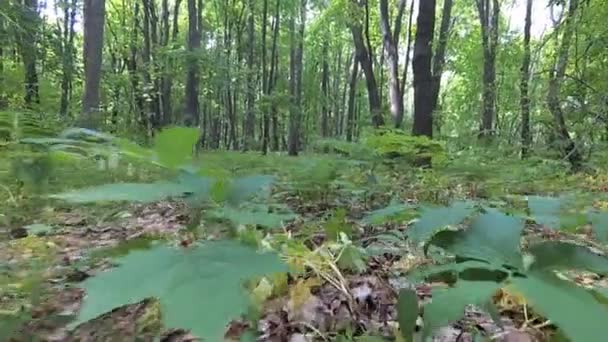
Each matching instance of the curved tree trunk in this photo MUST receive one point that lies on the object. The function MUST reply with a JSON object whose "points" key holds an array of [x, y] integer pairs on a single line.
{"points": [[556, 78]]}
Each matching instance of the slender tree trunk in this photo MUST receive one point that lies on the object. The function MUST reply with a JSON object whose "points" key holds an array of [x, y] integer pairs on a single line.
{"points": [[410, 21], [352, 96], [94, 18], [423, 78], [526, 138], [273, 77], [556, 79], [265, 80], [489, 15], [27, 43], [325, 111], [391, 48], [192, 114], [249, 128], [365, 58], [297, 53], [336, 95], [67, 72], [442, 44]]}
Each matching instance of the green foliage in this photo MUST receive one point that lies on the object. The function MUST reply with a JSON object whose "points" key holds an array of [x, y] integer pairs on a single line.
{"points": [[199, 288], [488, 257], [337, 224], [599, 222], [395, 144], [18, 125], [433, 219], [392, 211], [174, 146], [255, 216], [407, 309]]}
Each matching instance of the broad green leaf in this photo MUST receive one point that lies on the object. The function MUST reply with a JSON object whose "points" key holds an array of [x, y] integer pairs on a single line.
{"points": [[174, 146], [199, 288], [448, 304], [253, 216], [571, 308], [545, 210], [130, 192], [599, 222], [452, 268], [434, 219], [385, 214], [337, 224], [245, 188], [38, 228], [352, 258], [556, 255], [407, 313], [494, 237]]}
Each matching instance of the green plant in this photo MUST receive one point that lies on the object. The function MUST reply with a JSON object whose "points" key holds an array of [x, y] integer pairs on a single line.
{"points": [[488, 257], [396, 144]]}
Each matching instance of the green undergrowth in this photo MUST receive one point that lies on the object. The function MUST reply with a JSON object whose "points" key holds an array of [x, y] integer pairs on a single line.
{"points": [[471, 215]]}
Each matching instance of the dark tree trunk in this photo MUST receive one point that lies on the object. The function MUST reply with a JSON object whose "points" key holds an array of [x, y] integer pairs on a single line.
{"points": [[336, 96], [265, 80], [273, 77], [391, 48], [352, 96], [556, 78], [325, 111], [526, 138], [442, 44], [423, 78], [489, 15], [249, 129], [410, 20], [27, 43], [67, 72], [364, 56], [297, 51], [94, 18], [191, 114]]}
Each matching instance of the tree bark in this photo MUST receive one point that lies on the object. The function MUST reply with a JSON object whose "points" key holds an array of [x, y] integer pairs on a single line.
{"points": [[423, 78], [273, 77], [297, 52], [410, 20], [391, 49], [526, 138], [27, 38], [249, 129], [325, 111], [442, 44], [556, 79], [94, 18], [191, 114], [352, 96], [67, 72], [364, 56], [489, 15]]}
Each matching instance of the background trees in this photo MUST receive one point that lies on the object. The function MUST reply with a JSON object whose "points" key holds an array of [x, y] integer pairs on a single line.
{"points": [[278, 74]]}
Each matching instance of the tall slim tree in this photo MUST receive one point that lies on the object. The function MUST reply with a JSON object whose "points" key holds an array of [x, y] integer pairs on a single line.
{"points": [[27, 43], [365, 58], [297, 53], [556, 79], [94, 18], [68, 34], [489, 15], [440, 52], [391, 48], [423, 77], [191, 114], [249, 129], [352, 94], [526, 137]]}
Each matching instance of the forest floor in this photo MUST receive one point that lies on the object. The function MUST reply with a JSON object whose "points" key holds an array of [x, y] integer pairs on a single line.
{"points": [[48, 247]]}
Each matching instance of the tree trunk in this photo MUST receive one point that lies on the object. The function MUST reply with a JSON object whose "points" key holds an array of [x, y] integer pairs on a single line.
{"points": [[297, 51], [191, 114], [391, 48], [249, 129], [352, 94], [410, 20], [556, 78], [526, 138], [27, 38], [489, 15], [423, 78], [364, 56], [67, 72], [439, 57], [325, 111], [94, 17], [273, 77], [265, 80]]}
